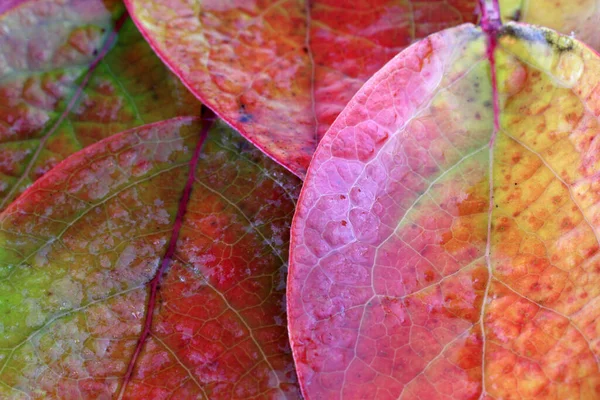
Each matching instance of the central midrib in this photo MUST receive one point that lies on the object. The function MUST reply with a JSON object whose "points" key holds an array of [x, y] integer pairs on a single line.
{"points": [[490, 23], [208, 119]]}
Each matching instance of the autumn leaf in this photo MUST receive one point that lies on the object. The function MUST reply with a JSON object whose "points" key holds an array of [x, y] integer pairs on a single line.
{"points": [[72, 73], [578, 18], [136, 267], [8, 4], [119, 282], [444, 250], [280, 71]]}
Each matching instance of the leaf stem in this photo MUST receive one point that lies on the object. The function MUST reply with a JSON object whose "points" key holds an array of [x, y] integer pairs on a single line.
{"points": [[208, 119], [490, 16], [491, 24]]}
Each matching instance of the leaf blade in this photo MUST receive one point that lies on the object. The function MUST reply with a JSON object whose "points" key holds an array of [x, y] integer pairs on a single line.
{"points": [[280, 72], [69, 79], [576, 19], [390, 294], [76, 272]]}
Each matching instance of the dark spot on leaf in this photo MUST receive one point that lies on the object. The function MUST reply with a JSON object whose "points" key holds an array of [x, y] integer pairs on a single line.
{"points": [[242, 146], [429, 276], [522, 32], [245, 116], [566, 223], [592, 251], [516, 15], [560, 43]]}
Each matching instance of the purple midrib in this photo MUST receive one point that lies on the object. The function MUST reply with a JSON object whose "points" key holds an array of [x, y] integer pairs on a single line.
{"points": [[208, 119]]}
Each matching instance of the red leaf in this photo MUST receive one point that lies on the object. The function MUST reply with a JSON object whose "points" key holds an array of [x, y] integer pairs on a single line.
{"points": [[281, 71], [136, 267], [434, 256], [71, 73], [106, 279]]}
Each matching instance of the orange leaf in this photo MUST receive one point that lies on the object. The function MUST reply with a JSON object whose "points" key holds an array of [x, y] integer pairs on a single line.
{"points": [[280, 71]]}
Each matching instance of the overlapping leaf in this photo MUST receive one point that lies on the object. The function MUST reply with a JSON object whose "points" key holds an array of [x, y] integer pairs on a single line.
{"points": [[78, 249], [8, 4], [280, 71], [435, 257], [580, 19], [72, 73]]}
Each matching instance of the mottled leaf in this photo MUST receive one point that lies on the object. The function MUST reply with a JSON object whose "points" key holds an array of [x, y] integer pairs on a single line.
{"points": [[436, 257], [280, 71], [110, 289], [71, 73], [579, 18], [8, 4]]}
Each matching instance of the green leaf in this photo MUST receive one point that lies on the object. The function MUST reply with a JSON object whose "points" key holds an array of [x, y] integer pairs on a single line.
{"points": [[70, 75]]}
